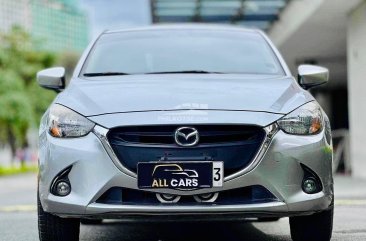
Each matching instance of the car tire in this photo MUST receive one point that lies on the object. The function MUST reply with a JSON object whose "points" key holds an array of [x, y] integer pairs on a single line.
{"points": [[316, 227], [86, 221], [53, 228]]}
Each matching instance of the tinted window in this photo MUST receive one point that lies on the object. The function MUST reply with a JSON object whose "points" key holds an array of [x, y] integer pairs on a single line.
{"points": [[138, 52]]}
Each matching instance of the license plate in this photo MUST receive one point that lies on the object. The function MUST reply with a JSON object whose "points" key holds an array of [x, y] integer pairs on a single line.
{"points": [[180, 175]]}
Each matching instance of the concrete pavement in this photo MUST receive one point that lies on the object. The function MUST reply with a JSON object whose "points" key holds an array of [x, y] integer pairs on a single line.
{"points": [[18, 190], [18, 220]]}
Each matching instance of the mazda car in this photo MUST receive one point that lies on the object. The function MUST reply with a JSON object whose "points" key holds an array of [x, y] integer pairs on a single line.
{"points": [[184, 122]]}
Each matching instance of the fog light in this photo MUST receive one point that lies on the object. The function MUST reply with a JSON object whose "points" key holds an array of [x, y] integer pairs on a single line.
{"points": [[310, 186], [63, 188]]}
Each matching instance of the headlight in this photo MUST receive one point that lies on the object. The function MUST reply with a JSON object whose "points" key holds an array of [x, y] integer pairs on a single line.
{"points": [[306, 120], [63, 122]]}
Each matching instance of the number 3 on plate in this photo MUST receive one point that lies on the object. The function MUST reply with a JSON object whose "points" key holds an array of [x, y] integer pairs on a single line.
{"points": [[217, 174]]}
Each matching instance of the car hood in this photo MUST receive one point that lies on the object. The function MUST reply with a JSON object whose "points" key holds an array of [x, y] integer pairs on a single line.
{"points": [[140, 93]]}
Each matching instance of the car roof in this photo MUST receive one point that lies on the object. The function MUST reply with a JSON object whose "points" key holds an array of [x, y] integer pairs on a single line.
{"points": [[196, 26]]}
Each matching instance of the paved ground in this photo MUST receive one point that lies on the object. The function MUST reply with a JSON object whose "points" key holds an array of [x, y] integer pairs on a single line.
{"points": [[18, 219]]}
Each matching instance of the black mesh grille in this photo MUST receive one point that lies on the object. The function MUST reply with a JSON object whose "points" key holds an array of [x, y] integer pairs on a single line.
{"points": [[235, 145]]}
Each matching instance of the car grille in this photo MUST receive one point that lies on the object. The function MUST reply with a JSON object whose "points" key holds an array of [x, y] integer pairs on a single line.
{"points": [[245, 195], [235, 145]]}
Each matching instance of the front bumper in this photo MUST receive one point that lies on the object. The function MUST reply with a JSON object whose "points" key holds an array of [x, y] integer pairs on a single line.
{"points": [[94, 172]]}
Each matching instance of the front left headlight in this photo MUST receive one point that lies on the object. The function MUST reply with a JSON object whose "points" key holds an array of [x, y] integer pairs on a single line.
{"points": [[65, 123], [306, 120]]}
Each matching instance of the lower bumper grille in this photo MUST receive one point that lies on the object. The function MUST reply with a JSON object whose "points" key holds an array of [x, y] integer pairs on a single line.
{"points": [[247, 195], [235, 145]]}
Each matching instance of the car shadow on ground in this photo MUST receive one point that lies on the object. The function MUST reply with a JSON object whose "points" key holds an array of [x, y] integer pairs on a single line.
{"points": [[223, 231]]}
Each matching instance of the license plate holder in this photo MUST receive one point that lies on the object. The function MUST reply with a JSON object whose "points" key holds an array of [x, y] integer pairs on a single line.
{"points": [[180, 175]]}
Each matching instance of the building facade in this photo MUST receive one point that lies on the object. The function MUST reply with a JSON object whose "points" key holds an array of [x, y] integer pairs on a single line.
{"points": [[56, 25]]}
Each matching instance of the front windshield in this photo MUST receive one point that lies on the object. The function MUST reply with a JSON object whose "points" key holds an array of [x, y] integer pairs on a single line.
{"points": [[164, 51]]}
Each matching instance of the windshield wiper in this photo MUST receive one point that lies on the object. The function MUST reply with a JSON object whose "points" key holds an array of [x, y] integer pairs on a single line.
{"points": [[185, 72], [104, 74]]}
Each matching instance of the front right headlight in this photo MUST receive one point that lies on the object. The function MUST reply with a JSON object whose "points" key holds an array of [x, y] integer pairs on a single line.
{"points": [[306, 120], [64, 123]]}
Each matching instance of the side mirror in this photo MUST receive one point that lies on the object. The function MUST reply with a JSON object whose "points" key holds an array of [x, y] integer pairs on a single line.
{"points": [[312, 75], [52, 78]]}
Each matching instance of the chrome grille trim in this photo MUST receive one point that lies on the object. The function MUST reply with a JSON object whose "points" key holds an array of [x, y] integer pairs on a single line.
{"points": [[270, 130]]}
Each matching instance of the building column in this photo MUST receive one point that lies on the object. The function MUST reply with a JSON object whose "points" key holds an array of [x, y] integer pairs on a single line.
{"points": [[356, 60]]}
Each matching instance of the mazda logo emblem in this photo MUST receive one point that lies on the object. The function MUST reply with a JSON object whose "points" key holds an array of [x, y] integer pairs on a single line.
{"points": [[186, 136]]}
